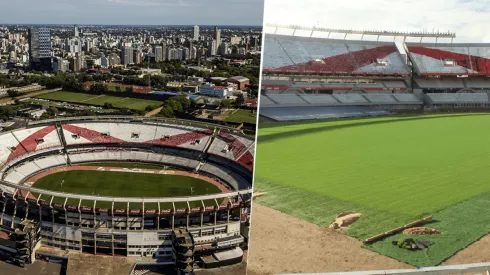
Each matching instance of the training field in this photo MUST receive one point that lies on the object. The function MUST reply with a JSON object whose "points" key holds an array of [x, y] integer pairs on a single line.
{"points": [[241, 115], [392, 170], [99, 100], [124, 184]]}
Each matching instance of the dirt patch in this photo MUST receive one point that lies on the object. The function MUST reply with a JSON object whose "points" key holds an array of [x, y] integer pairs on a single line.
{"points": [[85, 264], [259, 194], [344, 220], [154, 112], [281, 243], [421, 231]]}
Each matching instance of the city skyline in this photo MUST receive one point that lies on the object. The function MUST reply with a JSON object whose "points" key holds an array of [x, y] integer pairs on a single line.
{"points": [[131, 12]]}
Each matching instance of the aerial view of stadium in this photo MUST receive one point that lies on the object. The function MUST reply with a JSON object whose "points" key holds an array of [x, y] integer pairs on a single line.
{"points": [[171, 190], [374, 153]]}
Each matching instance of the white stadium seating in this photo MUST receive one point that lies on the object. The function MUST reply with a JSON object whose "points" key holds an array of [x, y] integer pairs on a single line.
{"points": [[351, 98], [380, 98], [450, 98], [319, 55]]}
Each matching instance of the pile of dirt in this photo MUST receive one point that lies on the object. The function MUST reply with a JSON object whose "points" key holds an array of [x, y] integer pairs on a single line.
{"points": [[344, 220], [421, 231]]}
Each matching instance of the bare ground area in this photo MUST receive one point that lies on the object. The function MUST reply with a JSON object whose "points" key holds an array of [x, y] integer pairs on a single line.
{"points": [[86, 264], [281, 243], [477, 252], [154, 112], [37, 268]]}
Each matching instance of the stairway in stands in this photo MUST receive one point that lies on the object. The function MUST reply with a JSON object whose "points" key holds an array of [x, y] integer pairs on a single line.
{"points": [[204, 155], [61, 135]]}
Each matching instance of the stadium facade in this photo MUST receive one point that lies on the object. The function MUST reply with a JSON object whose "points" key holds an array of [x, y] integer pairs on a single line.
{"points": [[334, 78], [171, 230]]}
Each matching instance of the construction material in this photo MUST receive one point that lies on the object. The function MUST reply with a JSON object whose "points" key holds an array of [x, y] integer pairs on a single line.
{"points": [[397, 230], [344, 220], [421, 231], [259, 194]]}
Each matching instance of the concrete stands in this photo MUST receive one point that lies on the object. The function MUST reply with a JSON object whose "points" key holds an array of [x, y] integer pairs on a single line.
{"points": [[318, 55], [450, 59], [461, 98]]}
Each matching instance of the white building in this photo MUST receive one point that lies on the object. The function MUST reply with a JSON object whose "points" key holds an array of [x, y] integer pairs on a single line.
{"points": [[196, 33], [214, 91]]}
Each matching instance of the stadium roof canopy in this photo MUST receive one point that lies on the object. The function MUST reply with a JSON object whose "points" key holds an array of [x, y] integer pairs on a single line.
{"points": [[306, 55], [450, 59]]}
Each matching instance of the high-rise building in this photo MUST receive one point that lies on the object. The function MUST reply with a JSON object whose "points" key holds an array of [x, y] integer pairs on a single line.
{"points": [[196, 33], [186, 54], [40, 57], [126, 54], [137, 56], [212, 47], [104, 62], [158, 53], [217, 35], [75, 32]]}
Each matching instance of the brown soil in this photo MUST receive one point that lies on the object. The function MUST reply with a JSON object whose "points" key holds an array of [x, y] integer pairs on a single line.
{"points": [[281, 243], [344, 220], [421, 231], [477, 252], [154, 112], [85, 264]]}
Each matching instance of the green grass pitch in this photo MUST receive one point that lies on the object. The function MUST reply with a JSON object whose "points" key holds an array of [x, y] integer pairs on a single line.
{"points": [[125, 184], [240, 116], [392, 170], [99, 100]]}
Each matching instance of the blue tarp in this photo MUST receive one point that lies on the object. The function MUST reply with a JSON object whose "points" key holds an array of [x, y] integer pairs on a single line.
{"points": [[307, 113]]}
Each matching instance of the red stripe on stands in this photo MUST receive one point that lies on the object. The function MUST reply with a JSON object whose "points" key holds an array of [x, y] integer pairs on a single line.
{"points": [[180, 139], [237, 148], [29, 143], [476, 63], [93, 136], [347, 63]]}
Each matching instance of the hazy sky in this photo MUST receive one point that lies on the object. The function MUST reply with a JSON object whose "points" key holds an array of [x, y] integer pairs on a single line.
{"points": [[469, 19], [132, 12]]}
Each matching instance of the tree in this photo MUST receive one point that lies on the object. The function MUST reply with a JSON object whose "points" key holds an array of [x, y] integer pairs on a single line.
{"points": [[98, 88], [240, 100], [52, 111], [107, 105], [149, 108], [225, 103], [13, 93], [118, 89], [125, 111], [167, 111], [129, 89]]}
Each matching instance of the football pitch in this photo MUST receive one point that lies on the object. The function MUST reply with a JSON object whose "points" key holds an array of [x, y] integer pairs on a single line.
{"points": [[100, 100], [125, 184], [392, 170]]}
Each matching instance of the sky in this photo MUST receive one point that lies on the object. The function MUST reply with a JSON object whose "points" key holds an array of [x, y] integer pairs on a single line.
{"points": [[133, 12], [469, 19]]}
